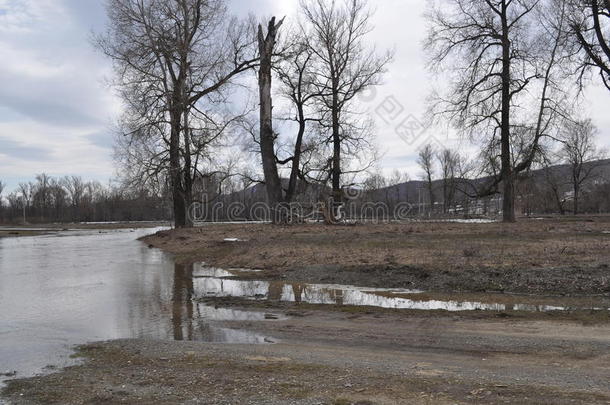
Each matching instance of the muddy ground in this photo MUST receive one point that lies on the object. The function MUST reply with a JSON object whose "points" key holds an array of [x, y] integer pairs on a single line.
{"points": [[20, 233], [550, 256], [337, 357]]}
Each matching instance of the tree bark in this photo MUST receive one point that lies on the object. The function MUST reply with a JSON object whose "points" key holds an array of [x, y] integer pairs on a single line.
{"points": [[175, 171], [336, 174], [296, 159], [267, 138], [508, 201], [576, 198], [188, 173]]}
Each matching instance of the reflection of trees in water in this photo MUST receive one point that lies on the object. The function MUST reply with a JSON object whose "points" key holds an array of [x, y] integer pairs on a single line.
{"points": [[297, 289], [182, 303], [219, 287], [148, 305], [319, 295], [161, 305]]}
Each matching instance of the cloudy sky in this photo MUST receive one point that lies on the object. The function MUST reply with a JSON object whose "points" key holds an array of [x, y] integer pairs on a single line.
{"points": [[56, 111]]}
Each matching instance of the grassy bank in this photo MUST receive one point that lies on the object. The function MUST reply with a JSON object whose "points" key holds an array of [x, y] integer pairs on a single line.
{"points": [[555, 256]]}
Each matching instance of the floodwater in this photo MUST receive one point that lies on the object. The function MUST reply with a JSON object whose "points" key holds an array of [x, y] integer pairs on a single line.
{"points": [[69, 288], [218, 283]]}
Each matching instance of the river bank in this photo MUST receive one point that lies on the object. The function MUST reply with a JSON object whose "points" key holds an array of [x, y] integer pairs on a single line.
{"points": [[548, 256]]}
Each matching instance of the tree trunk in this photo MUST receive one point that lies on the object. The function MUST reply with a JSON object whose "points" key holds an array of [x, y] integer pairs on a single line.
{"points": [[576, 197], [267, 138], [296, 159], [175, 171], [508, 202], [430, 194], [336, 169], [188, 173]]}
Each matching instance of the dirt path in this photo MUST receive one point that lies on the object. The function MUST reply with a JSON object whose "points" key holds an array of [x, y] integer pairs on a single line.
{"points": [[328, 357]]}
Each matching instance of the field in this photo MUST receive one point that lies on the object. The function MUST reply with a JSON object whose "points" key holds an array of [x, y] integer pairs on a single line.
{"points": [[559, 256]]}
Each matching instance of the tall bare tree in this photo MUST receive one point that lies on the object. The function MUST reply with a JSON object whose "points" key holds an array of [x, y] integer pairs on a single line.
{"points": [[449, 162], [590, 24], [266, 45], [488, 51], [172, 59], [297, 80], [553, 179], [343, 67]]}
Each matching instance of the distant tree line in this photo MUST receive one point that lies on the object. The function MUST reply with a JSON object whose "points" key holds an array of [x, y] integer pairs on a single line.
{"points": [[569, 174], [71, 199]]}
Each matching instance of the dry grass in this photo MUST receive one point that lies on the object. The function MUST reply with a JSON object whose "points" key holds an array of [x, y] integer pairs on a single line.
{"points": [[433, 246]]}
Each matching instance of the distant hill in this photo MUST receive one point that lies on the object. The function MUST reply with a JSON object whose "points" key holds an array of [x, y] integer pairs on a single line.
{"points": [[415, 191]]}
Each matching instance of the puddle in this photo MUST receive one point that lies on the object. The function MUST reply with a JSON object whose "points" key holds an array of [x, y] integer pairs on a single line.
{"points": [[227, 286], [202, 270]]}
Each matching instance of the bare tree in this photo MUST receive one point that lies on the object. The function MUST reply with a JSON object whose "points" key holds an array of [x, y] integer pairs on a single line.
{"points": [[343, 68], [172, 59], [26, 190], [449, 162], [425, 160], [297, 79], [581, 154], [266, 45], [494, 56], [553, 179], [590, 24], [76, 190]]}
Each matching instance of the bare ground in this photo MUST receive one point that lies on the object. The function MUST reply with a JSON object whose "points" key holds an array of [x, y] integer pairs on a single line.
{"points": [[341, 358], [551, 256]]}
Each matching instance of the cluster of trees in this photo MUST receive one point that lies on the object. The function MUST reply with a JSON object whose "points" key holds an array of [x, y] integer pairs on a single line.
{"points": [[181, 68], [71, 199], [510, 70]]}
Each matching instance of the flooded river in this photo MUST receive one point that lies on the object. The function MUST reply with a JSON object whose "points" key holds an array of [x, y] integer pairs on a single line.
{"points": [[73, 287]]}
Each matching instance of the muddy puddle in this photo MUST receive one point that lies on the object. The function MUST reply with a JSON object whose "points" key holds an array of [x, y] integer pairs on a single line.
{"points": [[218, 283]]}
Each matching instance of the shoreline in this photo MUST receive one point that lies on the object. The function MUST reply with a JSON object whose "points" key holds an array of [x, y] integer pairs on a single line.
{"points": [[542, 257]]}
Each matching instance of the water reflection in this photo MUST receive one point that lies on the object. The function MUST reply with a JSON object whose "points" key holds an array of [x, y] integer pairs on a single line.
{"points": [[57, 291], [182, 313], [206, 287]]}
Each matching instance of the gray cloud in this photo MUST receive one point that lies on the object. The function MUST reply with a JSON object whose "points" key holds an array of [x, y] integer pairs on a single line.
{"points": [[52, 76], [51, 103], [18, 150], [103, 139]]}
